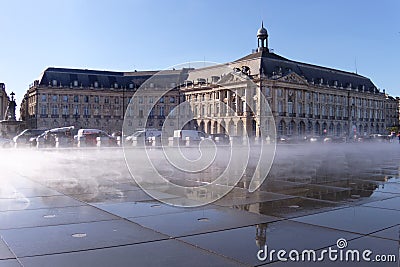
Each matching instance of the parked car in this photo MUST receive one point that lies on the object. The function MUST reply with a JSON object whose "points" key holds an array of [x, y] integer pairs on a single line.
{"points": [[5, 142], [144, 133], [315, 139], [147, 134], [24, 137], [90, 137], [220, 138], [192, 134], [48, 138]]}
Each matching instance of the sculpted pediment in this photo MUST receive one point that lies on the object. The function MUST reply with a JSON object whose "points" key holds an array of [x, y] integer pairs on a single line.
{"points": [[293, 78]]}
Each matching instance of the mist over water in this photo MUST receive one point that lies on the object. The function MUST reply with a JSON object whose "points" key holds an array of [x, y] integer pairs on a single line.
{"points": [[96, 175]]}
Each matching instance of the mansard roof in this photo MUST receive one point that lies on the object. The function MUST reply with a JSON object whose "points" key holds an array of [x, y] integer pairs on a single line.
{"points": [[275, 66], [104, 79]]}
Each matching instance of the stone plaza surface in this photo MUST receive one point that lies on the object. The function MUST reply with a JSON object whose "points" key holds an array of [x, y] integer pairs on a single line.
{"points": [[82, 216]]}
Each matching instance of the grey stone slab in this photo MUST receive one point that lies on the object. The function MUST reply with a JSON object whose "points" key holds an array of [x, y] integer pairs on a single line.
{"points": [[116, 196], [38, 191], [376, 245], [291, 207], [201, 221], [242, 244], [364, 220], [138, 209], [5, 252], [53, 216], [393, 188], [244, 197], [76, 237], [392, 203], [161, 253], [9, 263], [23, 203], [390, 233]]}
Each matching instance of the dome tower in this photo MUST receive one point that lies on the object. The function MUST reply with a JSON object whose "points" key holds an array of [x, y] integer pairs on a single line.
{"points": [[262, 36]]}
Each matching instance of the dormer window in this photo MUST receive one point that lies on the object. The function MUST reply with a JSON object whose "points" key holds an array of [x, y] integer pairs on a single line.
{"points": [[54, 82], [115, 85], [131, 85], [96, 84], [75, 83]]}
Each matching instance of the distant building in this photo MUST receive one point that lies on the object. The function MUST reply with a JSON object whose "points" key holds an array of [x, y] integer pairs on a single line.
{"points": [[93, 99], [392, 111], [305, 99], [3, 101]]}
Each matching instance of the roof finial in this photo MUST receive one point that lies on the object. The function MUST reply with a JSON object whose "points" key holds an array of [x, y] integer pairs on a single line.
{"points": [[262, 23]]}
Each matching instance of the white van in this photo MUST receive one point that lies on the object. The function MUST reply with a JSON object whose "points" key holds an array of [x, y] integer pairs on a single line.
{"points": [[192, 134]]}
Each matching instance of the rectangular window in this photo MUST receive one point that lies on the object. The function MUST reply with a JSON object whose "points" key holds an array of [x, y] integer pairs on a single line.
{"points": [[172, 99], [106, 100], [267, 92], [86, 99], [86, 111], [65, 110], [316, 110], [116, 100], [55, 98], [290, 107], [280, 106], [65, 98], [96, 99], [43, 110], [299, 108], [44, 98], [76, 110], [54, 110], [162, 111], [76, 98]]}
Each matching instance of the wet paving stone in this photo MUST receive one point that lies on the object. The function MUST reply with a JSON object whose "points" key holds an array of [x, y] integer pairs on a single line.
{"points": [[391, 203], [53, 216], [5, 252], [9, 263], [380, 248], [201, 221], [23, 203], [390, 233], [242, 244], [363, 220], [139, 209], [161, 253], [76, 237]]}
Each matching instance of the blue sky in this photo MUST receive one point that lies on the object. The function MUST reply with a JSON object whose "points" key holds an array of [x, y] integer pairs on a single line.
{"points": [[147, 35]]}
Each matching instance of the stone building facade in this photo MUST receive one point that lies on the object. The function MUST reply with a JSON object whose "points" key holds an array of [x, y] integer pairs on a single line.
{"points": [[392, 111], [3, 101], [304, 99], [94, 99]]}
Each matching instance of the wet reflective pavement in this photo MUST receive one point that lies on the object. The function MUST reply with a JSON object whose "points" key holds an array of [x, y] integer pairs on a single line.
{"points": [[102, 218]]}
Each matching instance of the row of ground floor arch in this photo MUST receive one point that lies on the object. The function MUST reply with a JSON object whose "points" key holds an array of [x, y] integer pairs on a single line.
{"points": [[239, 127]]}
